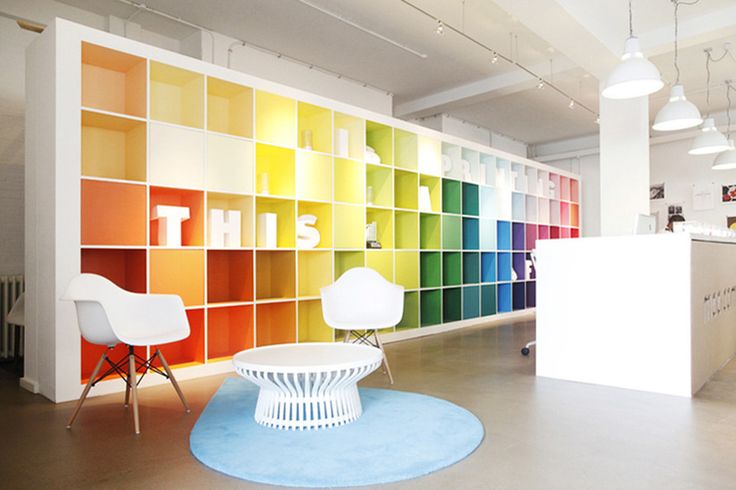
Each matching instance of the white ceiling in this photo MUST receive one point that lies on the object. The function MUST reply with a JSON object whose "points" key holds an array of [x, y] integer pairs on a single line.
{"points": [[582, 37]]}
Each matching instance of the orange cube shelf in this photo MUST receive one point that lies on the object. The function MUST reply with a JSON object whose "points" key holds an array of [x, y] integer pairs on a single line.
{"points": [[113, 214], [275, 323], [113, 81], [189, 350], [192, 230], [178, 272], [229, 331], [229, 276], [91, 354], [126, 268]]}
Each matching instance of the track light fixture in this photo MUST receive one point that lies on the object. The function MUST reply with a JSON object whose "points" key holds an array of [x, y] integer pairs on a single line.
{"points": [[540, 84], [440, 29], [494, 60], [571, 105]]}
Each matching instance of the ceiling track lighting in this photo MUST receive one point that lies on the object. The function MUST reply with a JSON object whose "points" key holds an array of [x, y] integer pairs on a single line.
{"points": [[726, 160], [635, 76], [571, 105], [495, 55], [710, 140], [678, 113], [440, 29], [540, 84], [25, 24]]}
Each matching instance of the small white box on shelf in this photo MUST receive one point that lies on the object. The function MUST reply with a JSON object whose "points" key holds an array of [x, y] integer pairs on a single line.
{"points": [[224, 233], [267, 232], [425, 202], [169, 224]]}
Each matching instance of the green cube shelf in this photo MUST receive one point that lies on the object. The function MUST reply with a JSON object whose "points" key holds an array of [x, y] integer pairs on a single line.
{"points": [[488, 300], [431, 307], [429, 231], [452, 232], [430, 269], [451, 196], [452, 268], [470, 199]]}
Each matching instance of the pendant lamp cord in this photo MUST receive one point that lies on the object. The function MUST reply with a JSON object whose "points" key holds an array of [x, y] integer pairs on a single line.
{"points": [[728, 111], [631, 26], [677, 6]]}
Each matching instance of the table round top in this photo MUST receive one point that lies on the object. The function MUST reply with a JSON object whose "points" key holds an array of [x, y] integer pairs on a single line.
{"points": [[307, 357]]}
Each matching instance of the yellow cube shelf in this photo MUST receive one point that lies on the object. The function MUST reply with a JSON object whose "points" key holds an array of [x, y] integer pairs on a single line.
{"points": [[384, 225], [276, 119], [177, 95], [275, 172], [234, 202], [113, 147], [380, 137], [405, 149], [315, 272], [314, 176], [382, 261], [349, 226], [379, 186], [229, 108], [285, 220], [344, 261], [354, 128], [315, 128], [407, 269], [113, 81], [406, 230], [349, 181], [323, 213], [311, 325], [229, 164], [406, 188]]}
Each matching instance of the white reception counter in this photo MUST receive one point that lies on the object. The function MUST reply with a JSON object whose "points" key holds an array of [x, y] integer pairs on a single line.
{"points": [[648, 312]]}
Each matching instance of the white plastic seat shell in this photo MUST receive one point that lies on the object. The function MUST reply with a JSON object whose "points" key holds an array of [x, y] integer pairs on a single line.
{"points": [[361, 299], [108, 314]]}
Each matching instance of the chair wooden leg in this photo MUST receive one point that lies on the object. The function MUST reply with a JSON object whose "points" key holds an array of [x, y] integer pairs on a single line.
{"points": [[173, 380], [134, 388], [86, 390], [347, 336], [385, 359]]}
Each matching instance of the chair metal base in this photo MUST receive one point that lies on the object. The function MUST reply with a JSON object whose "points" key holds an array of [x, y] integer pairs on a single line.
{"points": [[370, 337], [126, 368]]}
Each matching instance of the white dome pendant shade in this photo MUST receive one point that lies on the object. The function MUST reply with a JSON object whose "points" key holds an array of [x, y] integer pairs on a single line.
{"points": [[710, 140], [635, 76], [678, 113], [727, 159]]}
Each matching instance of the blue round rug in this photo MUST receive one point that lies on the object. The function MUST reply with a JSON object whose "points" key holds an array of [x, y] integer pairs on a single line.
{"points": [[399, 436]]}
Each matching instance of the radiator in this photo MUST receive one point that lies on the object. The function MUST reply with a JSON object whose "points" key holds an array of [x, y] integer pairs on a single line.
{"points": [[10, 288]]}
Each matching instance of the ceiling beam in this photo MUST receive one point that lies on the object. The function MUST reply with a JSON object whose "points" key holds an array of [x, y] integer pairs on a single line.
{"points": [[478, 91], [706, 28], [552, 22]]}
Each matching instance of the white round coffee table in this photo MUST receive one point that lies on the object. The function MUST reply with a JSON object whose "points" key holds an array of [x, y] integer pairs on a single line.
{"points": [[307, 386]]}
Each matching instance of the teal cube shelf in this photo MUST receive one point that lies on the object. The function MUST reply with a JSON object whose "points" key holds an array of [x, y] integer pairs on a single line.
{"points": [[452, 232], [452, 305], [470, 199]]}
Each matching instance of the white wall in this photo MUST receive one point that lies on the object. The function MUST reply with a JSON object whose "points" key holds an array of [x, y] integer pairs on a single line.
{"points": [[671, 165]]}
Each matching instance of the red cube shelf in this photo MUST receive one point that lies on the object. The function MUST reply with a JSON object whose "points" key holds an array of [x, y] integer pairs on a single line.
{"points": [[229, 331], [229, 276]]}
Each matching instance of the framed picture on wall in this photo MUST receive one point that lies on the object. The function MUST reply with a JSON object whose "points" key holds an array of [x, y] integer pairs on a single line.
{"points": [[656, 191], [731, 222], [728, 193]]}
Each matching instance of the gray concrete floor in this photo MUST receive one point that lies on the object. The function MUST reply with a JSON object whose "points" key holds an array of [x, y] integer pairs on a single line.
{"points": [[540, 433]]}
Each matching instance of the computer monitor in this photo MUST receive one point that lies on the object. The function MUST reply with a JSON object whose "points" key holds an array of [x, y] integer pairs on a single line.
{"points": [[645, 224]]}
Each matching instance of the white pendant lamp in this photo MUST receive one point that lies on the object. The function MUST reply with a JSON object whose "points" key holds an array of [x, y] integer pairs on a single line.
{"points": [[635, 76], [678, 113], [710, 140], [726, 160]]}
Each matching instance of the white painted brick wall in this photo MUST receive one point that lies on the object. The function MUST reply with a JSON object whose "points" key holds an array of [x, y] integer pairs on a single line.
{"points": [[11, 219]]}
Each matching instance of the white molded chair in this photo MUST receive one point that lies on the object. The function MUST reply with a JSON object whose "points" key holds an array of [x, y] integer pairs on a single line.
{"points": [[108, 315], [360, 303]]}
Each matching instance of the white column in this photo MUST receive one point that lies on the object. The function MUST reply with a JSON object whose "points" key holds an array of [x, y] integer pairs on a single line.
{"points": [[624, 172]]}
